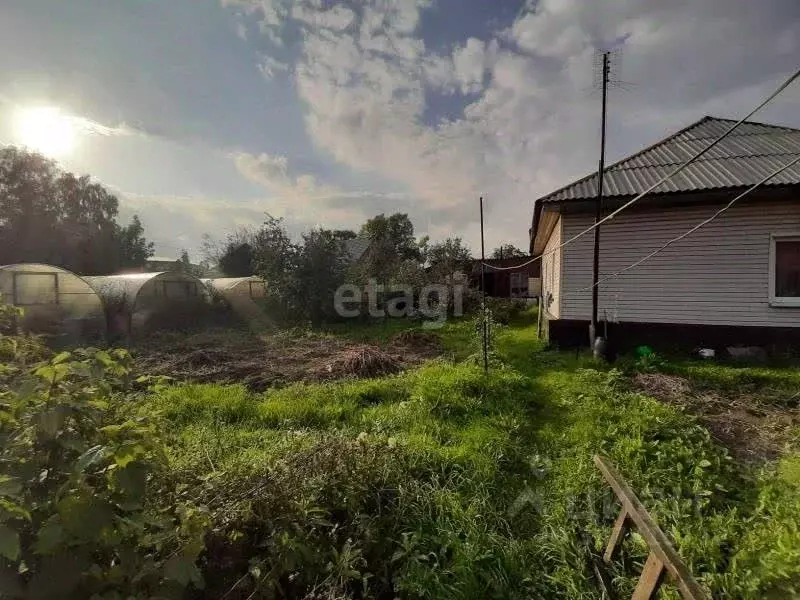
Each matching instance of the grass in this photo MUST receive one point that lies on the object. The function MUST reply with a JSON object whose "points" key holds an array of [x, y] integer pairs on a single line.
{"points": [[441, 482], [379, 330], [779, 385]]}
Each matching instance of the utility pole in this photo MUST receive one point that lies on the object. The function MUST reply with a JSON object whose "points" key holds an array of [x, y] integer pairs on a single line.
{"points": [[593, 328], [484, 322]]}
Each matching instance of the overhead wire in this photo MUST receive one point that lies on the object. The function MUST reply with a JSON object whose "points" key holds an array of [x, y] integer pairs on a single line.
{"points": [[700, 225], [665, 178]]}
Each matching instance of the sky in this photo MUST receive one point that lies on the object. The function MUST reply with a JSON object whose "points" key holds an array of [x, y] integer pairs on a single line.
{"points": [[203, 115]]}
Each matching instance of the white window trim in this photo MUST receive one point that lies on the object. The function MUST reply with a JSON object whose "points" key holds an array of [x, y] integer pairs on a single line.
{"points": [[780, 301]]}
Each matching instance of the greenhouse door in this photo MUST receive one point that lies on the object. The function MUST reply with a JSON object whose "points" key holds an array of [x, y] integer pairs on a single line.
{"points": [[31, 289]]}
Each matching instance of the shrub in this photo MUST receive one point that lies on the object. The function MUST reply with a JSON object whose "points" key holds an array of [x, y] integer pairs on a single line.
{"points": [[506, 310], [80, 484]]}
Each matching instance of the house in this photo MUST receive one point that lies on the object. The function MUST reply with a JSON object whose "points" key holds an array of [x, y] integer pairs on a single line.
{"points": [[734, 281], [158, 264], [505, 281], [355, 248]]}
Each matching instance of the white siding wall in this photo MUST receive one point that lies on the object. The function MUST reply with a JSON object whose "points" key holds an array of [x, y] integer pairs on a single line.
{"points": [[719, 275], [551, 272]]}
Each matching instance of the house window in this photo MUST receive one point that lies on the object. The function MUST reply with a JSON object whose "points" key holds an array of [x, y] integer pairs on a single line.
{"points": [[784, 284]]}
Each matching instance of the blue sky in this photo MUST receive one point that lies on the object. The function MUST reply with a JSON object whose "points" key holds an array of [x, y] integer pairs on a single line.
{"points": [[328, 112]]}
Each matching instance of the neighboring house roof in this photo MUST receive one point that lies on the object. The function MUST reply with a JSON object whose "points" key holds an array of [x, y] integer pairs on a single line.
{"points": [[743, 158], [356, 247], [161, 259]]}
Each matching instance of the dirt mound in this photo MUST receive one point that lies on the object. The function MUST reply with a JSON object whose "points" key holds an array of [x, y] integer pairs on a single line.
{"points": [[672, 388], [753, 431], [259, 362], [363, 361]]}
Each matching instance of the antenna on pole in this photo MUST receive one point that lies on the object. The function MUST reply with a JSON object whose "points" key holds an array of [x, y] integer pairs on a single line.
{"points": [[604, 60]]}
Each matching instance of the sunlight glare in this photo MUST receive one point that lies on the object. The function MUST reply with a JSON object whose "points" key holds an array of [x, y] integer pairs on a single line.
{"points": [[46, 129]]}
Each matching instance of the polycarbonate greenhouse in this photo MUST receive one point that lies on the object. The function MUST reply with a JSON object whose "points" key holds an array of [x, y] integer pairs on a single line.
{"points": [[241, 294], [55, 302], [140, 302]]}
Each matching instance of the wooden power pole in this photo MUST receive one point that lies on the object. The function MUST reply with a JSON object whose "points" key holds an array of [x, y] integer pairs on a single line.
{"points": [[593, 327]]}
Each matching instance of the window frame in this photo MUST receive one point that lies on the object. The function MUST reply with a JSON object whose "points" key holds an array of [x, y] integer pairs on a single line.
{"points": [[780, 301], [15, 288]]}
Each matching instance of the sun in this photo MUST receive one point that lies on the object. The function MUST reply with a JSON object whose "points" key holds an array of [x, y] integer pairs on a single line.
{"points": [[46, 129]]}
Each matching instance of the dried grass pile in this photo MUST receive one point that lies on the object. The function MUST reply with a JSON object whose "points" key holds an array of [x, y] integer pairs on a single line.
{"points": [[665, 387], [416, 338], [362, 361]]}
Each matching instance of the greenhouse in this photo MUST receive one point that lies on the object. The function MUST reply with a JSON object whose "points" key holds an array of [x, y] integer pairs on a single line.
{"points": [[54, 301], [242, 294], [140, 302]]}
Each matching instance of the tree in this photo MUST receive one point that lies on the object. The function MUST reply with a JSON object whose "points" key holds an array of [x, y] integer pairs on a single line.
{"points": [[395, 233], [185, 265], [51, 216], [448, 257], [302, 278], [237, 260], [320, 269], [134, 249], [343, 234], [392, 243], [274, 254], [507, 251]]}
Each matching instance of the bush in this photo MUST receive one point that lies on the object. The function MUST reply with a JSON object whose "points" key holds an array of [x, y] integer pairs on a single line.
{"points": [[85, 509], [506, 310]]}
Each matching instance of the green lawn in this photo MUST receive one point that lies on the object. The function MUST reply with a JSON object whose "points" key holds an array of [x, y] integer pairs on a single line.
{"points": [[442, 482]]}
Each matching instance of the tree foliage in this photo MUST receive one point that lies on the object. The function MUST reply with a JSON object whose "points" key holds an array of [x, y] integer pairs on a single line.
{"points": [[51, 216], [507, 251], [134, 249], [85, 508], [235, 257], [392, 242], [449, 256], [302, 278]]}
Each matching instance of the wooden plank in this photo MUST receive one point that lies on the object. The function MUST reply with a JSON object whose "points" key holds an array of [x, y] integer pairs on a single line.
{"points": [[652, 534], [650, 581], [621, 527]]}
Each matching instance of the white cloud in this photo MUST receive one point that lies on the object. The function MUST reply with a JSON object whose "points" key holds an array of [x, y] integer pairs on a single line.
{"points": [[470, 63], [534, 123], [177, 222], [269, 171], [303, 194], [270, 67], [337, 18]]}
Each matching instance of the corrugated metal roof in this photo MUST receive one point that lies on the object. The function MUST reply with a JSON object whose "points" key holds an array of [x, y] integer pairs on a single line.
{"points": [[745, 157]]}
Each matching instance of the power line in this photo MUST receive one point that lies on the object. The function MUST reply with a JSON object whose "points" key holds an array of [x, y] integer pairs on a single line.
{"points": [[724, 209], [666, 177]]}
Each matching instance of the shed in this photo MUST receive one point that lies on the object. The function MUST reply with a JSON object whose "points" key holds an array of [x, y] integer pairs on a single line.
{"points": [[55, 301], [139, 302], [509, 277]]}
